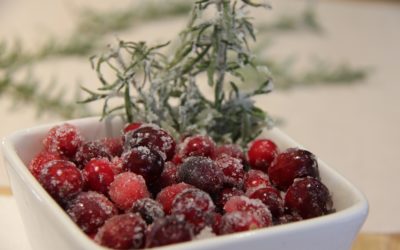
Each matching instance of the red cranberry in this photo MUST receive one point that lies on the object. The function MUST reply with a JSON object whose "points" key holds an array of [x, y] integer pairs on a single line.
{"points": [[143, 161], [149, 209], [239, 221], [195, 205], [62, 179], [90, 210], [226, 194], [232, 150], [153, 138], [125, 231], [126, 189], [168, 194], [117, 165], [132, 126], [309, 198], [63, 139], [113, 145], [90, 150], [261, 153], [197, 145], [232, 170], [201, 172], [169, 175], [271, 198], [98, 174], [169, 230], [291, 164], [37, 163], [255, 179]]}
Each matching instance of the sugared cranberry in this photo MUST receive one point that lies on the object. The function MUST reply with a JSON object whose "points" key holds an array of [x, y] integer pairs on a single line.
{"points": [[132, 126], [98, 174], [125, 231], [223, 196], [309, 198], [89, 210], [195, 205], [261, 153], [169, 230], [126, 189], [117, 165], [143, 161], [169, 175], [255, 179], [62, 179], [288, 218], [291, 164], [239, 221], [271, 198], [113, 145], [201, 172], [37, 163], [232, 150], [63, 139], [197, 145], [232, 170], [167, 195], [149, 209], [90, 150], [152, 137]]}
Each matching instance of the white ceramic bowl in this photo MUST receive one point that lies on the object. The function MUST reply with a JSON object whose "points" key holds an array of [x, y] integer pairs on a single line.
{"points": [[49, 227]]}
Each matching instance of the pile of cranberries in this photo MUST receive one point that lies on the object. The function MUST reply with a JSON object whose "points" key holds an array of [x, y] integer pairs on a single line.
{"points": [[144, 189]]}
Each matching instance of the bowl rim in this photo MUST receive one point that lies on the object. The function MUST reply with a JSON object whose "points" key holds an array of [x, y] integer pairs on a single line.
{"points": [[359, 209]]}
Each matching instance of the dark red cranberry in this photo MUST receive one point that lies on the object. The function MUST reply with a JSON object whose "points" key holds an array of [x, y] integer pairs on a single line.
{"points": [[113, 145], [125, 231], [309, 198], [169, 230], [288, 218], [62, 179], [261, 153], [232, 170], [195, 205], [153, 138], [132, 126], [63, 139], [255, 179], [89, 210], [291, 164], [201, 172], [126, 189], [98, 174], [143, 161], [90, 150], [37, 163], [223, 196], [197, 145], [169, 175], [149, 209], [232, 150], [271, 198], [167, 195], [239, 221]]}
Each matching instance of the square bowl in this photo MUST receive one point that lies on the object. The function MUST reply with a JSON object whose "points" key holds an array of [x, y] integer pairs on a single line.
{"points": [[49, 227]]}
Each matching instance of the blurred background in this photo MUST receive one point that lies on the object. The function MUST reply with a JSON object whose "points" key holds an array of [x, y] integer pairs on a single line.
{"points": [[335, 65]]}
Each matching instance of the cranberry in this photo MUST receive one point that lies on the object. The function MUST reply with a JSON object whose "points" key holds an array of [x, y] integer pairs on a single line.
{"points": [[169, 175], [239, 221], [90, 150], [232, 150], [37, 163], [197, 145], [90, 210], [255, 179], [288, 218], [149, 209], [144, 161], [309, 198], [113, 145], [126, 189], [291, 164], [226, 194], [132, 126], [63, 139], [62, 179], [153, 138], [261, 153], [168, 194], [271, 198], [125, 231], [195, 205], [98, 174], [117, 165], [232, 170], [201, 172], [169, 230]]}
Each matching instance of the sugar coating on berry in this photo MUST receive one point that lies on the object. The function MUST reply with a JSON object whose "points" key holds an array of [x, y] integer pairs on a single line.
{"points": [[63, 139], [255, 179], [169, 175], [261, 153], [223, 196], [232, 150], [271, 198], [291, 164], [169, 230], [89, 210], [197, 145], [201, 172], [125, 231], [167, 195], [239, 221], [61, 179], [98, 174], [232, 170], [90, 150], [37, 163], [149, 209], [113, 145], [126, 189], [309, 198]]}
